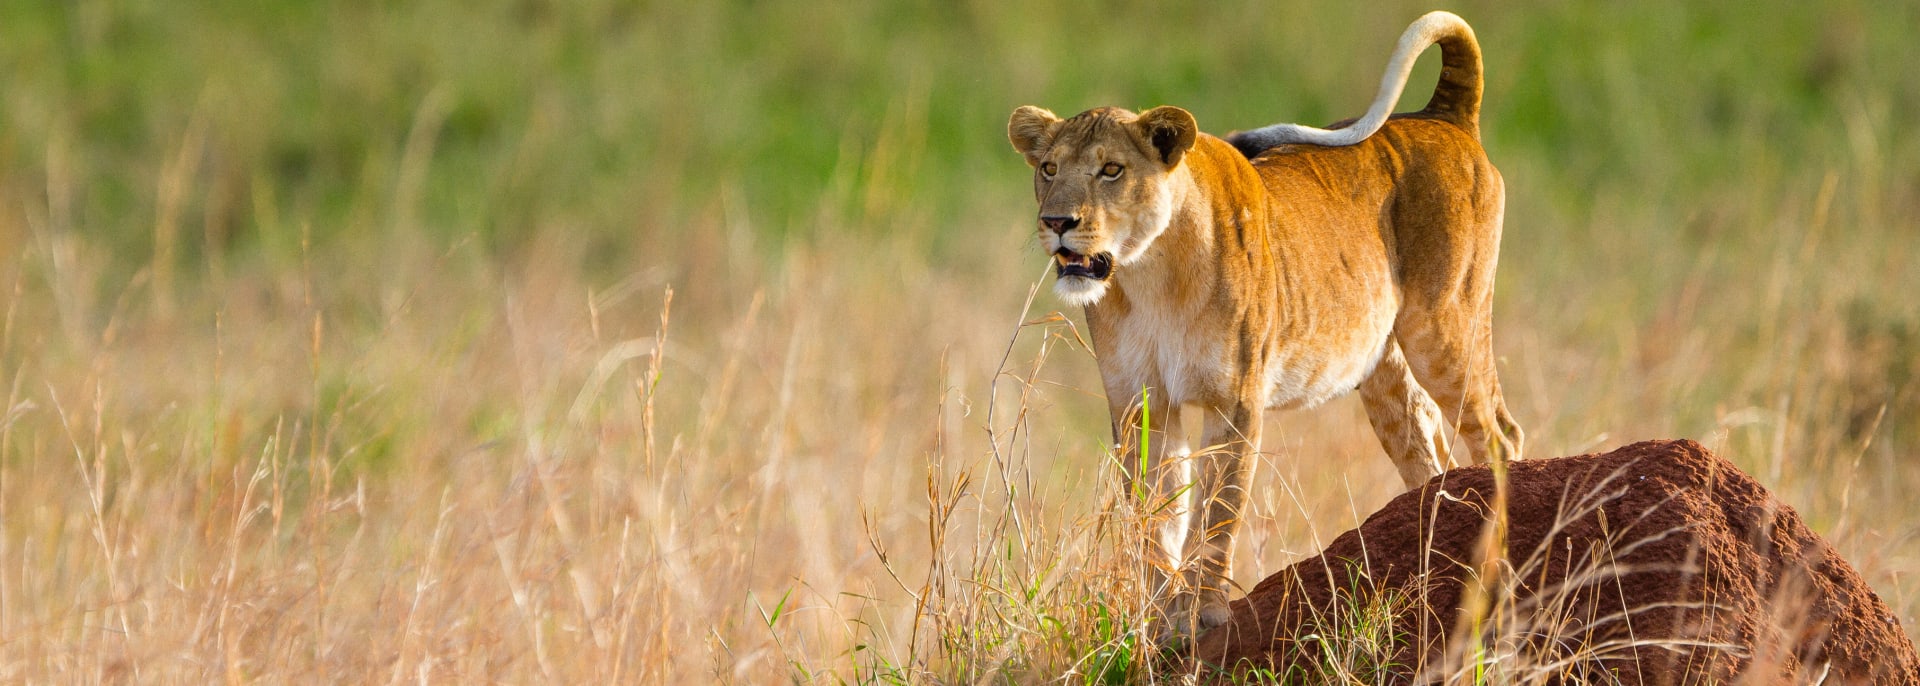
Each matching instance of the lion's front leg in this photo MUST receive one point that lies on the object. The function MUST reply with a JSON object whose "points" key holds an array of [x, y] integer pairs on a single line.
{"points": [[1156, 487], [1225, 465]]}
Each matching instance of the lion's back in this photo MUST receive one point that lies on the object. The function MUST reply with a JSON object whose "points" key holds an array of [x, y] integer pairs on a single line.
{"points": [[1424, 183]]}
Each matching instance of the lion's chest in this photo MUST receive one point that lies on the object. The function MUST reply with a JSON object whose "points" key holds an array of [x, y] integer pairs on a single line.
{"points": [[1164, 352]]}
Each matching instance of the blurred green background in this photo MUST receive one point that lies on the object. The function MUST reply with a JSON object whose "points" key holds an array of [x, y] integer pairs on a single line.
{"points": [[620, 119]]}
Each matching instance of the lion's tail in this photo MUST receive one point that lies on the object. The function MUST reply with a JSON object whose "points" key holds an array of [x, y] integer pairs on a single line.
{"points": [[1456, 99]]}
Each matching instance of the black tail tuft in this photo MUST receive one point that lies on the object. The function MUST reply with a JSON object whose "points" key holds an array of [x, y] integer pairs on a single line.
{"points": [[1457, 97]]}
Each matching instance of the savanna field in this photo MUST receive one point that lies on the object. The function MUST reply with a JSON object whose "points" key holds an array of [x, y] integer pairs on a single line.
{"points": [[606, 342]]}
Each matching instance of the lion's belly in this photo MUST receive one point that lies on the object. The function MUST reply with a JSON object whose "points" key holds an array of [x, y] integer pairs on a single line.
{"points": [[1328, 360]]}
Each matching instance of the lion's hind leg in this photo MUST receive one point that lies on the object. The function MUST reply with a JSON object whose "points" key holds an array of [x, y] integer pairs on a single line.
{"points": [[1409, 424], [1455, 364]]}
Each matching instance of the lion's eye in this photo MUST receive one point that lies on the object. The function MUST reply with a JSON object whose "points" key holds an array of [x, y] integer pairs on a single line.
{"points": [[1049, 168], [1112, 170]]}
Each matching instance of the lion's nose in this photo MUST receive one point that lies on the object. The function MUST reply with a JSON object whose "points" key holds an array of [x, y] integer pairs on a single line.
{"points": [[1061, 225]]}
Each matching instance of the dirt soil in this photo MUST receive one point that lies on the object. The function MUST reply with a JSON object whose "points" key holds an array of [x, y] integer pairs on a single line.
{"points": [[1657, 563]]}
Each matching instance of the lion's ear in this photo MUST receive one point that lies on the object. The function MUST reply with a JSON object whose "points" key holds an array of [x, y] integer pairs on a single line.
{"points": [[1031, 130], [1169, 130]]}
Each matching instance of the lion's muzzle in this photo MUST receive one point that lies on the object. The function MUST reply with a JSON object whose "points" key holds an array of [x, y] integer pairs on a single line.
{"points": [[1069, 263]]}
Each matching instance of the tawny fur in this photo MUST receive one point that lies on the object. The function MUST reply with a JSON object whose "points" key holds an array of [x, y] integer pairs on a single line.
{"points": [[1279, 275]]}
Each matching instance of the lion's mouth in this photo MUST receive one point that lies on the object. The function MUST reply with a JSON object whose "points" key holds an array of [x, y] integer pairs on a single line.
{"points": [[1069, 263]]}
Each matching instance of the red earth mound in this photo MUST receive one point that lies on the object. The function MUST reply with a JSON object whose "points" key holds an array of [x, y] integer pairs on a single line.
{"points": [[1658, 563]]}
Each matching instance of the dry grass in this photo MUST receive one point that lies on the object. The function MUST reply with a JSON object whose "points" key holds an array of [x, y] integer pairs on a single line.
{"points": [[417, 409]]}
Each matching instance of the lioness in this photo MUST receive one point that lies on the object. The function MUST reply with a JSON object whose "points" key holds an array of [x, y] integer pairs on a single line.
{"points": [[1277, 269]]}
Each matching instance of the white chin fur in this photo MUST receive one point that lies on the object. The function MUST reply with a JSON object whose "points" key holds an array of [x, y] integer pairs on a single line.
{"points": [[1079, 290]]}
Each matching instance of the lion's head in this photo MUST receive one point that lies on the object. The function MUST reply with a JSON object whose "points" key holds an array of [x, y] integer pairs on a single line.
{"points": [[1107, 181]]}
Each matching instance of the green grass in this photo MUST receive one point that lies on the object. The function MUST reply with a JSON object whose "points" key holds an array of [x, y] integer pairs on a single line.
{"points": [[329, 341]]}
